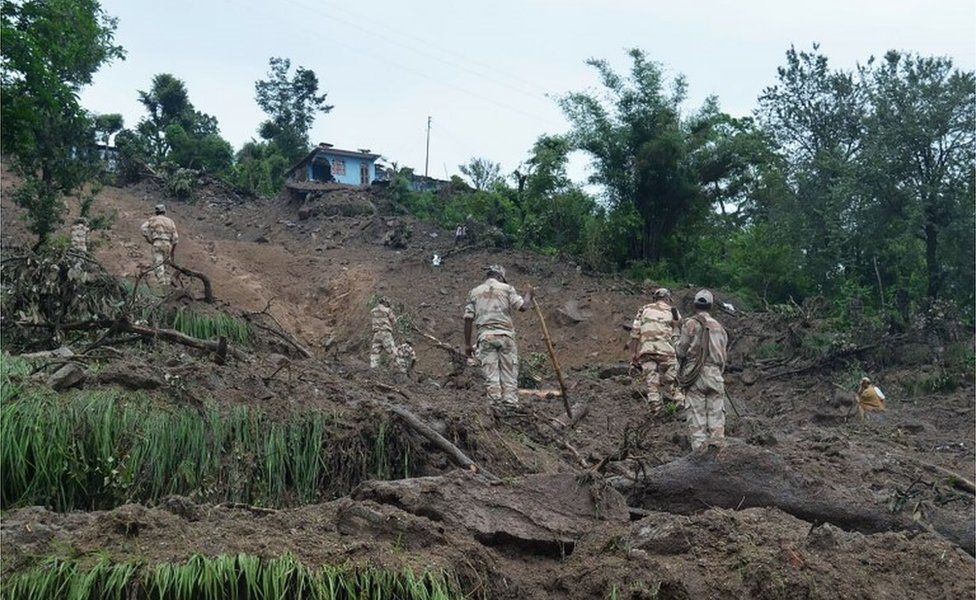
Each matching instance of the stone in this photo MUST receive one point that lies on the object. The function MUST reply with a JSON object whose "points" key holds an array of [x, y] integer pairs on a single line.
{"points": [[68, 376]]}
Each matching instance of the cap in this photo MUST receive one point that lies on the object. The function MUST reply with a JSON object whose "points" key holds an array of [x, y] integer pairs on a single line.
{"points": [[160, 208], [661, 293], [704, 298], [497, 269]]}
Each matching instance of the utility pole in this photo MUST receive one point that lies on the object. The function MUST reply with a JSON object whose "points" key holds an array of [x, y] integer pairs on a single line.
{"points": [[427, 158]]}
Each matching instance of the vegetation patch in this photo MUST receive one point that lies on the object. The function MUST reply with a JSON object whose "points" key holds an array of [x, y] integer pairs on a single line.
{"points": [[224, 577], [96, 450]]}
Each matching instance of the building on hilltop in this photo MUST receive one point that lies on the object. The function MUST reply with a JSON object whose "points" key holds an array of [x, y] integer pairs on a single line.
{"points": [[327, 164]]}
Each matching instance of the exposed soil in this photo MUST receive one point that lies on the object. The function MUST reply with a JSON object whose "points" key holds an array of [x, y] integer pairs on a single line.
{"points": [[535, 538]]}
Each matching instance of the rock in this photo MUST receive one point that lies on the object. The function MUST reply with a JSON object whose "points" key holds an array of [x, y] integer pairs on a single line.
{"points": [[262, 239], [278, 360], [535, 514], [129, 377], [68, 376], [380, 521], [913, 427], [570, 313], [749, 376], [825, 537], [659, 533]]}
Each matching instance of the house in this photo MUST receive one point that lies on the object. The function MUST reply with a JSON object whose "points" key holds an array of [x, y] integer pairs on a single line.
{"points": [[328, 164], [108, 156]]}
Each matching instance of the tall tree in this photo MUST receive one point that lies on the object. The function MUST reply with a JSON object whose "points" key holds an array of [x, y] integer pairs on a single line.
{"points": [[921, 146], [51, 49], [482, 172], [291, 104], [641, 149], [174, 130], [107, 125]]}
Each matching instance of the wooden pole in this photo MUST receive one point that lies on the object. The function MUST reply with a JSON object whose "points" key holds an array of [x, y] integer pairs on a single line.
{"points": [[552, 357]]}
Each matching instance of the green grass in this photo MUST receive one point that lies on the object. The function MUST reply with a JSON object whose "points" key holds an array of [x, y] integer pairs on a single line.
{"points": [[223, 577], [208, 327], [93, 450]]}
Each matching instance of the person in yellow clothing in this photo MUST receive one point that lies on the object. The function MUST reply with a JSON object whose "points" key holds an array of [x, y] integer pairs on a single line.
{"points": [[869, 397]]}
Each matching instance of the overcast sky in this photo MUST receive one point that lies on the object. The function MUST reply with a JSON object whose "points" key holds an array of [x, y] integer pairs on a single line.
{"points": [[486, 72]]}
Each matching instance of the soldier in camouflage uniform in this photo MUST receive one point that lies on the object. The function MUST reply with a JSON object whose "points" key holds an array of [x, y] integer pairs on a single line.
{"points": [[79, 234], [702, 350], [405, 358], [383, 321], [489, 307], [651, 348], [160, 231]]}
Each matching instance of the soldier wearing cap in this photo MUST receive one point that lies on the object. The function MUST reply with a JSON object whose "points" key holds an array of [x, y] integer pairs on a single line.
{"points": [[79, 234], [702, 350], [651, 348], [383, 321], [160, 231], [489, 307]]}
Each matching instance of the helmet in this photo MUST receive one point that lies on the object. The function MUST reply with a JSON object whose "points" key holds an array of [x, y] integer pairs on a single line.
{"points": [[496, 270], [160, 209], [704, 299], [660, 293]]}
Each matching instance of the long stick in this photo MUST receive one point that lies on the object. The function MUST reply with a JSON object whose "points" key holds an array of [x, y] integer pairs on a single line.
{"points": [[552, 357]]}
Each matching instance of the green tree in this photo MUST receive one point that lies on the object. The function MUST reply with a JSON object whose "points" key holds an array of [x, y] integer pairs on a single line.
{"points": [[106, 125], [260, 168], [291, 105], [920, 152], [642, 150], [175, 131], [50, 50], [482, 172]]}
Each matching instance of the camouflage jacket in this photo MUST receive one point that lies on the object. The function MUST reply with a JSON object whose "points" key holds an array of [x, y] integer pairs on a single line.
{"points": [[491, 305]]}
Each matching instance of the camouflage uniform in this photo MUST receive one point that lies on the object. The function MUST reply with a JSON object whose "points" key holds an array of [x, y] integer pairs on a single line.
{"points": [[383, 321], [654, 330], [405, 358], [490, 305], [160, 231], [705, 397], [79, 236]]}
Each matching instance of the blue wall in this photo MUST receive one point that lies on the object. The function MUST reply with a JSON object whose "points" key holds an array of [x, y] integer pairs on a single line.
{"points": [[352, 166]]}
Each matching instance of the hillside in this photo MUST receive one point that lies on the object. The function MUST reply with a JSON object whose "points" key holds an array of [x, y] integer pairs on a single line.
{"points": [[830, 506]]}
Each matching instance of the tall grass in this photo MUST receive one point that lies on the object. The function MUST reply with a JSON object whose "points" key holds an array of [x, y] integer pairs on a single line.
{"points": [[208, 326], [224, 577], [93, 450]]}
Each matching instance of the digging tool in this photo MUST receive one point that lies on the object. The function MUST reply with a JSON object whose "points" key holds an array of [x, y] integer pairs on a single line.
{"points": [[552, 357], [732, 404]]}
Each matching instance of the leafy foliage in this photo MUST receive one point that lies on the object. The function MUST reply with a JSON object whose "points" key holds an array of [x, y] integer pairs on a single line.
{"points": [[51, 49], [291, 105], [482, 172], [100, 450]]}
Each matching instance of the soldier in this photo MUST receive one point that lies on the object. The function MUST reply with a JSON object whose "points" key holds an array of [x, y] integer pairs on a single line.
{"points": [[79, 234], [702, 350], [405, 358], [383, 321], [651, 348], [160, 231], [489, 307]]}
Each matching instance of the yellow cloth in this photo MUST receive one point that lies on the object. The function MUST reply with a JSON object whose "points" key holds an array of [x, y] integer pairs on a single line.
{"points": [[869, 399]]}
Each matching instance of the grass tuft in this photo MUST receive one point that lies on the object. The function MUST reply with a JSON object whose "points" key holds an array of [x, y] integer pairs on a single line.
{"points": [[227, 576], [95, 450]]}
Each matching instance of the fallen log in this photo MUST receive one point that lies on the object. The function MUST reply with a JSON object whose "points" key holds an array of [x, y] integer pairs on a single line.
{"points": [[171, 335], [742, 476]]}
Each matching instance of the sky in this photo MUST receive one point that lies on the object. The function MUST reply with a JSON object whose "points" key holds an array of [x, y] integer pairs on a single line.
{"points": [[488, 73]]}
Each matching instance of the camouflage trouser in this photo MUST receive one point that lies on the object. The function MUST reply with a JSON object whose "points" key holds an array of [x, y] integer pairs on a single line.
{"points": [[498, 355], [161, 251], [706, 407], [382, 343], [660, 374]]}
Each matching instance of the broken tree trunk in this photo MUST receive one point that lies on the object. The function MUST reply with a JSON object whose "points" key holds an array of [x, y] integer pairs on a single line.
{"points": [[208, 296], [741, 476], [552, 357], [171, 335]]}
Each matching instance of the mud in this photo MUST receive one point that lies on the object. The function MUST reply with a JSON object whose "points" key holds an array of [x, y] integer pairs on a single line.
{"points": [[511, 538]]}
